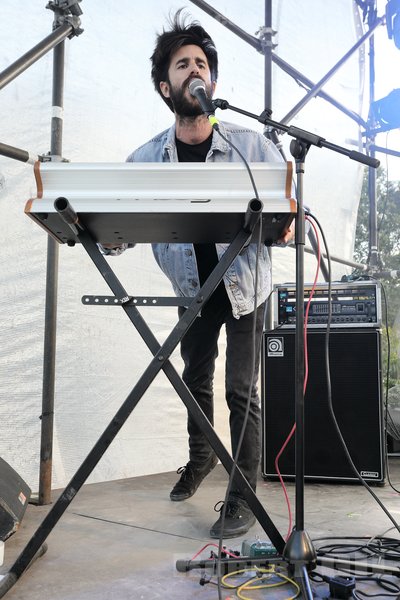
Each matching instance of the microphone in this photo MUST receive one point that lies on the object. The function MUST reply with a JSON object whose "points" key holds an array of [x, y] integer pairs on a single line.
{"points": [[197, 88]]}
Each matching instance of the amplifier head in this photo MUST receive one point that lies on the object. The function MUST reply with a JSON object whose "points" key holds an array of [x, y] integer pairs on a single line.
{"points": [[352, 304]]}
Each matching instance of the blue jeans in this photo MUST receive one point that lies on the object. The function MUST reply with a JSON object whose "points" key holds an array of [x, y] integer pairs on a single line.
{"points": [[199, 350]]}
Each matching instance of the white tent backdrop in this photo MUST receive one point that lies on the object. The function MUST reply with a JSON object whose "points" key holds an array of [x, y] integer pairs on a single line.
{"points": [[111, 108]]}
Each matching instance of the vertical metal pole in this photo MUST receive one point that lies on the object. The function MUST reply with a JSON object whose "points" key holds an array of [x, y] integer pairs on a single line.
{"points": [[46, 447], [268, 55], [373, 223], [299, 550], [300, 351], [267, 44]]}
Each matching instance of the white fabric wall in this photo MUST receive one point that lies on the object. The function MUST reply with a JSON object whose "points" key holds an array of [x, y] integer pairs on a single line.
{"points": [[111, 108]]}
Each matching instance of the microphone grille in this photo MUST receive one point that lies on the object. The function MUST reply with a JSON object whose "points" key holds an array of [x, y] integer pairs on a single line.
{"points": [[196, 84]]}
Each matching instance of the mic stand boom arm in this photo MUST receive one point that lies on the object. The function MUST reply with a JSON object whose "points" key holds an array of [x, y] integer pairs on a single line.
{"points": [[310, 139]]}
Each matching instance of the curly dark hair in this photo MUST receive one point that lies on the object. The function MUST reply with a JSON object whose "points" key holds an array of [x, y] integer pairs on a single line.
{"points": [[168, 42]]}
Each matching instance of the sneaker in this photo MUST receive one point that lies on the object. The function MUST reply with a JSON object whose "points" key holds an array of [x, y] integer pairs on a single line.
{"points": [[192, 475], [238, 519]]}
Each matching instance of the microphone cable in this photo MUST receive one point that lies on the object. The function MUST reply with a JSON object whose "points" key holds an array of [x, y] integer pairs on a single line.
{"points": [[215, 125]]}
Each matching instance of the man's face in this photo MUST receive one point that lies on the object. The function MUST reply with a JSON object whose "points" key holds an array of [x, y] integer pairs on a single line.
{"points": [[189, 62]]}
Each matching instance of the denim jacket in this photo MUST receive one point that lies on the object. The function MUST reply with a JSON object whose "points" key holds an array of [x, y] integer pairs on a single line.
{"points": [[178, 261]]}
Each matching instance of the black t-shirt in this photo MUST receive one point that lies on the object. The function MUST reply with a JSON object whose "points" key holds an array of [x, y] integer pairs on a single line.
{"points": [[206, 254]]}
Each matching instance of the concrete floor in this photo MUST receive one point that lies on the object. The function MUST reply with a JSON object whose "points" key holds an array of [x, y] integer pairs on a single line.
{"points": [[121, 539]]}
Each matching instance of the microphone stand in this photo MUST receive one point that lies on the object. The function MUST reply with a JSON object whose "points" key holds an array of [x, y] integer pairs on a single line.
{"points": [[299, 551]]}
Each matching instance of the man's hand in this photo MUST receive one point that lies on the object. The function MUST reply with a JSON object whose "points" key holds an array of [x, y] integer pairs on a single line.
{"points": [[287, 236], [115, 249]]}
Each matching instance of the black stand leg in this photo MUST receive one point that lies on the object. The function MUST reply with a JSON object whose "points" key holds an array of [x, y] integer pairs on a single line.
{"points": [[160, 361], [162, 354]]}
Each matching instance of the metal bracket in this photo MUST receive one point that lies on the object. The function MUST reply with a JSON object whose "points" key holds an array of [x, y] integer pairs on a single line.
{"points": [[262, 33], [48, 157], [66, 11]]}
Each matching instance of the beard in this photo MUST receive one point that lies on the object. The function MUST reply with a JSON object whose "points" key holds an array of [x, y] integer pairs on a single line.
{"points": [[183, 106]]}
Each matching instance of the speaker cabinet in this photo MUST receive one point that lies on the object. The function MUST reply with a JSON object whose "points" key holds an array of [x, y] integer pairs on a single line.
{"points": [[14, 497], [355, 368]]}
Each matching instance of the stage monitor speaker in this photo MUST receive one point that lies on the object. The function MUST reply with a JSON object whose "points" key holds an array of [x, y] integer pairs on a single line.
{"points": [[355, 366], [14, 498]]}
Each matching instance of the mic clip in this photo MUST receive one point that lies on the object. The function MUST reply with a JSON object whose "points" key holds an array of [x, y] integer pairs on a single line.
{"points": [[219, 103]]}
